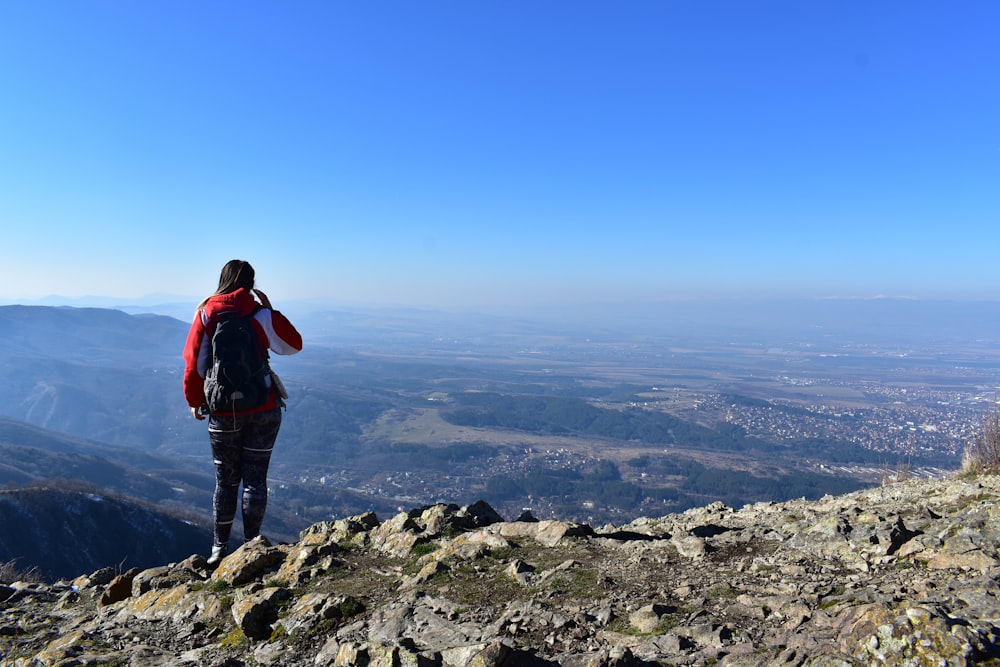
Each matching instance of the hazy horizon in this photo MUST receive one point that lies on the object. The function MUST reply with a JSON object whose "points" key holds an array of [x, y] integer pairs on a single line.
{"points": [[173, 300], [945, 326]]}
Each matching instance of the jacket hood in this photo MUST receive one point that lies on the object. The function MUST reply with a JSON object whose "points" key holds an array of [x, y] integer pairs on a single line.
{"points": [[240, 302]]}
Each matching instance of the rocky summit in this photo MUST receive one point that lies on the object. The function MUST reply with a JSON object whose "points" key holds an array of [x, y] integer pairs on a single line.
{"points": [[902, 574]]}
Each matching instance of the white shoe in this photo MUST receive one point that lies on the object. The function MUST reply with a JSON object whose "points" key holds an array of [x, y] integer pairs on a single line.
{"points": [[218, 553]]}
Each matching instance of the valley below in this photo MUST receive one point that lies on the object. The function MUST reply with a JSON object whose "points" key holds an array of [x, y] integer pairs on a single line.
{"points": [[570, 419]]}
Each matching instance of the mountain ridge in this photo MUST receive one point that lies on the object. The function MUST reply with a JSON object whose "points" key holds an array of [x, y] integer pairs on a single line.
{"points": [[33, 455], [61, 528]]}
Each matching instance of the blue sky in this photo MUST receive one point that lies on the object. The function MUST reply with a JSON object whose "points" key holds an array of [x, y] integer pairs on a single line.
{"points": [[477, 153]]}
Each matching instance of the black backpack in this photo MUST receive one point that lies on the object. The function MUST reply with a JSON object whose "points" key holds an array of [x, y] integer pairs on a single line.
{"points": [[237, 378]]}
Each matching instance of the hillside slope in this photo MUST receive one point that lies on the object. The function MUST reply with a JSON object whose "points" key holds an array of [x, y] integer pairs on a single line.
{"points": [[97, 373], [898, 575], [30, 454], [63, 531]]}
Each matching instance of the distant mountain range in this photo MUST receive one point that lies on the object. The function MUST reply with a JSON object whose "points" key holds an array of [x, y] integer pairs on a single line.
{"points": [[99, 374], [30, 455], [868, 317]]}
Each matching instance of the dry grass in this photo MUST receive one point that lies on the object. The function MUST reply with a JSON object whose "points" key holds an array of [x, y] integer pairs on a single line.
{"points": [[902, 472], [10, 572], [983, 453]]}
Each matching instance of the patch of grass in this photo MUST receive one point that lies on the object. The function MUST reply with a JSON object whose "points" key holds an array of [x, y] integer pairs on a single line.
{"points": [[828, 603], [350, 607], [722, 591], [218, 586], [468, 587], [322, 628], [423, 548], [667, 623], [347, 581], [621, 626], [452, 531], [585, 583], [235, 639], [577, 582], [501, 553]]}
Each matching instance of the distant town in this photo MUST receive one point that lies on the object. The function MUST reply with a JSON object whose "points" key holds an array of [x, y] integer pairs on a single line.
{"points": [[895, 419], [920, 428]]}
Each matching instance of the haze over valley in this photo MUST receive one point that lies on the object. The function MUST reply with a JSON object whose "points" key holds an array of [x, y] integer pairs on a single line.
{"points": [[592, 417]]}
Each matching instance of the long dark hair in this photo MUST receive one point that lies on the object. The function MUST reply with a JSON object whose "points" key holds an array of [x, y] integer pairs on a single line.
{"points": [[235, 274]]}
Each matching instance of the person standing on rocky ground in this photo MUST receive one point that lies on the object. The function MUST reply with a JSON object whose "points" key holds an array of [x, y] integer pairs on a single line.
{"points": [[241, 433]]}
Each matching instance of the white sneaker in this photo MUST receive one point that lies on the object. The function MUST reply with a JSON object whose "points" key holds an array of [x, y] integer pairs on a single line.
{"points": [[218, 553]]}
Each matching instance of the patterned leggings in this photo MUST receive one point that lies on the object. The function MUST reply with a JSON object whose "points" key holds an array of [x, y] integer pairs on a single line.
{"points": [[241, 451]]}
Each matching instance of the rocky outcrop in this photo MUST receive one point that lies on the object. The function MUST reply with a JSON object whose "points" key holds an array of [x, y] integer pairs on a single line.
{"points": [[897, 575]]}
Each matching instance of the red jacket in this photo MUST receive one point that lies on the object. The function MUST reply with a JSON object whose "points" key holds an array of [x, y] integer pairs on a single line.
{"points": [[275, 331]]}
